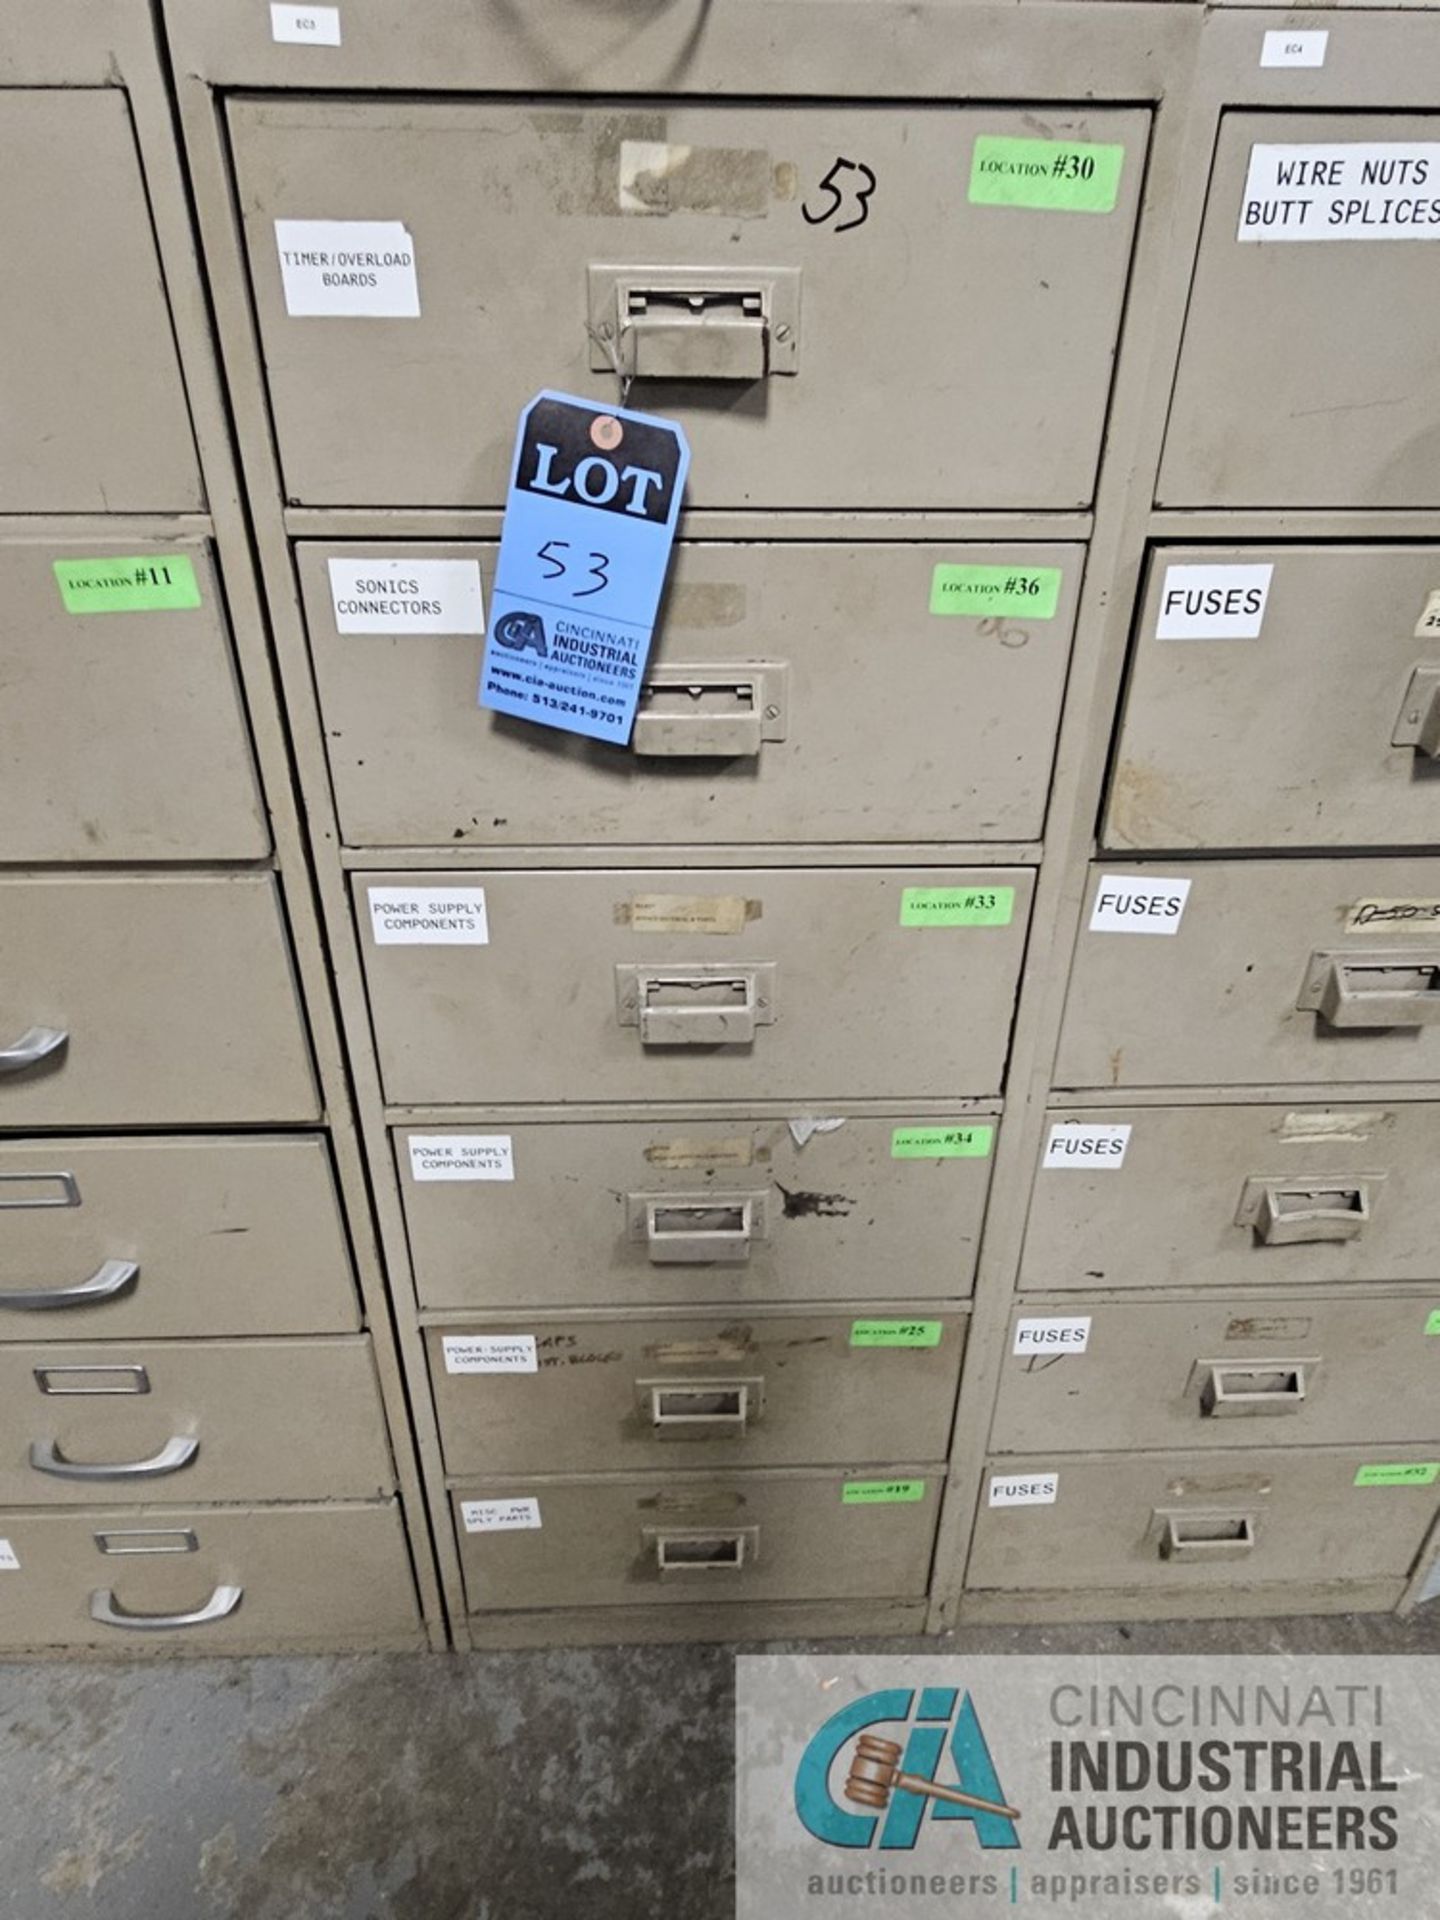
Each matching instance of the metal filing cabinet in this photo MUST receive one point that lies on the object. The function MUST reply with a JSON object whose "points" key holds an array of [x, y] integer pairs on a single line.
{"points": [[708, 1085], [197, 1454]]}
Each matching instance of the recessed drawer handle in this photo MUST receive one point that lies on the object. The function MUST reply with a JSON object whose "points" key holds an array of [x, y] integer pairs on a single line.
{"points": [[1287, 1213], [1378, 989], [1196, 1537], [1259, 1387], [46, 1457], [700, 1550], [699, 1006], [702, 1409], [107, 1282], [716, 712], [33, 1046], [715, 1227], [105, 1608], [1418, 724]]}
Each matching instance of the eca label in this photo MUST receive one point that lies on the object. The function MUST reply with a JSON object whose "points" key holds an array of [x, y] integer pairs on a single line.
{"points": [[1138, 903], [1088, 1149], [589, 523], [1213, 603]]}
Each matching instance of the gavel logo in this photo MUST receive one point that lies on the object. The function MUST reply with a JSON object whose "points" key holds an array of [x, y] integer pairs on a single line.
{"points": [[875, 1774]]}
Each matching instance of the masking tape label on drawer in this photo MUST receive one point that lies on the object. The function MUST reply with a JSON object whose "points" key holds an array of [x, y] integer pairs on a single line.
{"points": [[880, 1493], [1213, 603], [144, 583], [499, 1516], [1427, 627], [308, 26], [1366, 914], [1287, 48], [896, 1333], [1032, 592], [1051, 1335], [941, 1143], [1060, 176], [1362, 190], [1138, 903], [406, 596], [1023, 1489], [428, 916], [957, 906], [1404, 1473], [490, 1353], [1079, 1147], [355, 269], [736, 1150], [461, 1156], [686, 912], [9, 1559]]}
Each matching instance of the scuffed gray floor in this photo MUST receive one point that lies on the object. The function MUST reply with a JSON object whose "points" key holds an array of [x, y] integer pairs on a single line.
{"points": [[527, 1786]]}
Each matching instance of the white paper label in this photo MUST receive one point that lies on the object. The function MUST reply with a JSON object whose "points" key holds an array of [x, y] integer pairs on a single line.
{"points": [[1427, 627], [407, 596], [1213, 603], [489, 1353], [1024, 1489], [1051, 1335], [1138, 903], [461, 1156], [9, 1559], [312, 26], [358, 268], [428, 916], [499, 1516], [1287, 48], [1371, 190], [1075, 1145]]}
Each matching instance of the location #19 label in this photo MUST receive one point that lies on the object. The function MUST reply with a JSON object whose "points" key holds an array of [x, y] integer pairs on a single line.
{"points": [[589, 523]]}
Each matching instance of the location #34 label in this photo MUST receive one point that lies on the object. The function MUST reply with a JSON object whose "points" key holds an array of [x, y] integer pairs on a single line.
{"points": [[589, 523]]}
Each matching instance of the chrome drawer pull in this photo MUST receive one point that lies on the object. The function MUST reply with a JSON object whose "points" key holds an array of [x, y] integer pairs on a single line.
{"points": [[46, 1457], [33, 1046], [105, 1608], [107, 1282]]}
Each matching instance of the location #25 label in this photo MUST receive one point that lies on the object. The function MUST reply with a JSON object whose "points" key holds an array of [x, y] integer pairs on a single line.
{"points": [[589, 523]]}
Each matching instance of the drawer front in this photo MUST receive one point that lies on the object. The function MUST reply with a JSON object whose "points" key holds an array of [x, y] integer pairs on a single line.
{"points": [[824, 397], [94, 410], [673, 1539], [1210, 753], [1324, 971], [972, 696], [206, 1420], [176, 994], [689, 985], [1234, 1196], [561, 1395], [668, 1212], [1157, 1521], [169, 773], [1266, 1370], [1245, 427], [171, 1238], [207, 1579]]}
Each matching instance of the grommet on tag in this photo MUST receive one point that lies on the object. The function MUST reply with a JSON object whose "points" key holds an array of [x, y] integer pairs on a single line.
{"points": [[606, 432]]}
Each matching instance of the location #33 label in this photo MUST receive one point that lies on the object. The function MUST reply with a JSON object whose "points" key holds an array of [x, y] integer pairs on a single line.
{"points": [[589, 523]]}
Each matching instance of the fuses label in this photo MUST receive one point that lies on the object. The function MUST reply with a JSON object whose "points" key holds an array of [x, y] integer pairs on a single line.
{"points": [[1058, 176], [1050, 1335], [461, 1156], [406, 596], [1023, 1490], [1368, 190], [1138, 903], [1213, 603], [348, 269], [490, 1353], [428, 916], [499, 1516], [1077, 1145]]}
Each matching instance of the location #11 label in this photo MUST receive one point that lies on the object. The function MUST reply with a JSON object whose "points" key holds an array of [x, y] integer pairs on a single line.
{"points": [[589, 523]]}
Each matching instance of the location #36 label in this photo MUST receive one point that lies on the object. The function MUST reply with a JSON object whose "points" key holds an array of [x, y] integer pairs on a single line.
{"points": [[589, 523]]}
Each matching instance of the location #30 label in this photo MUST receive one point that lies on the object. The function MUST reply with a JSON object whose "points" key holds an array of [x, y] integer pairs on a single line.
{"points": [[589, 523]]}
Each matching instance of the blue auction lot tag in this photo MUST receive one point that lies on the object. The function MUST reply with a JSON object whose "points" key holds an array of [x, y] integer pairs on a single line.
{"points": [[589, 523]]}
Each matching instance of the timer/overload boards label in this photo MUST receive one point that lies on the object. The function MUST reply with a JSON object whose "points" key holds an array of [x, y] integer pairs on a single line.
{"points": [[1374, 190], [360, 269], [589, 522]]}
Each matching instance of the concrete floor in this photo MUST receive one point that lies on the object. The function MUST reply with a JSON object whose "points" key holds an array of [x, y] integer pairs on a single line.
{"points": [[526, 1786]]}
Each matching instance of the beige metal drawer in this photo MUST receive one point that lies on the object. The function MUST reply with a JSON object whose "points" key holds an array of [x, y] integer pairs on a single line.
{"points": [[191, 1421], [1289, 412], [177, 1237], [91, 400], [671, 1539], [692, 985], [698, 246], [144, 1001], [670, 1212], [755, 716], [1145, 1522], [1246, 972], [1310, 717], [1234, 1195], [122, 734], [1271, 1370], [208, 1579], [548, 1394]]}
